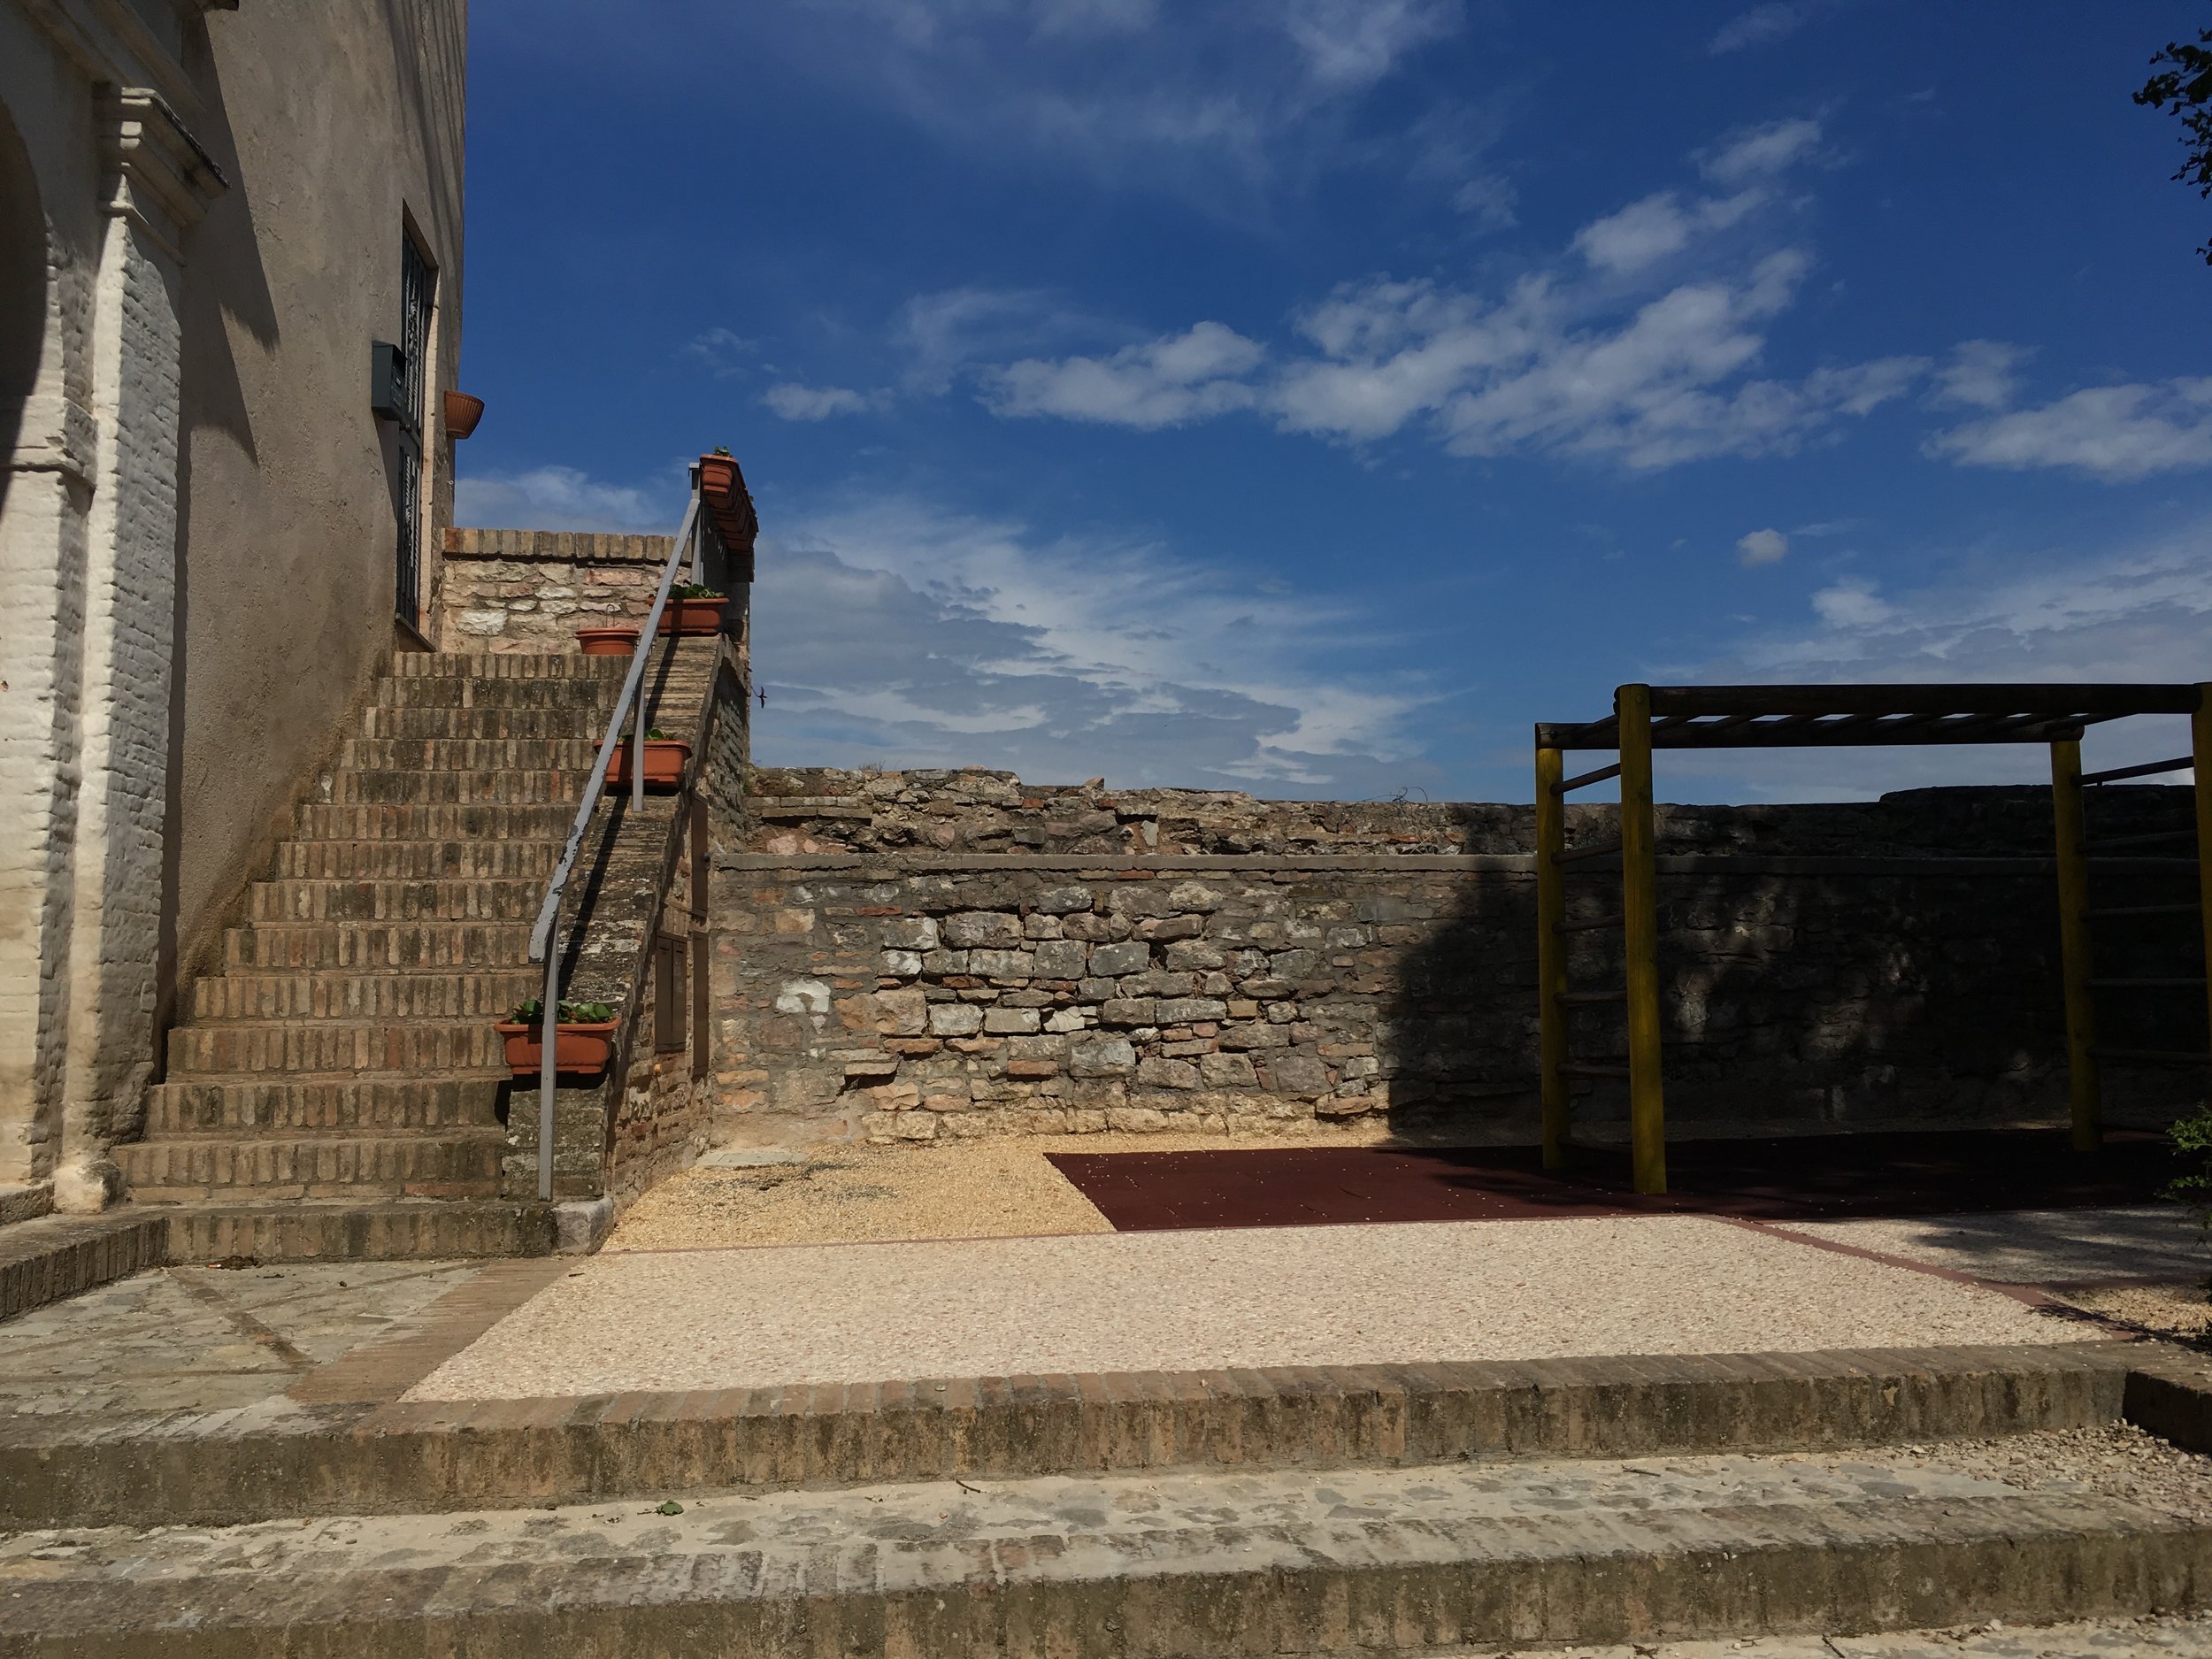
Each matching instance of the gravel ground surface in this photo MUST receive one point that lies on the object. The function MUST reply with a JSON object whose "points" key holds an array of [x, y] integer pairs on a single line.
{"points": [[2040, 1246], [2184, 1637], [2182, 1312], [973, 1189], [1199, 1300]]}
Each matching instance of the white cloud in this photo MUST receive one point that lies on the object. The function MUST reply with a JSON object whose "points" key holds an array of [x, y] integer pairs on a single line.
{"points": [[793, 402], [1647, 231], [892, 631], [1851, 603], [1165, 382], [1491, 199], [1763, 547], [1763, 152], [1980, 374], [1555, 365], [1763, 25], [1356, 43], [2118, 434], [1664, 386], [1211, 100], [723, 351], [564, 498]]}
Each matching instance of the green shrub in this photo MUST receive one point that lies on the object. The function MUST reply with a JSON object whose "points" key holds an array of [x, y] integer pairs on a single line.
{"points": [[529, 1011]]}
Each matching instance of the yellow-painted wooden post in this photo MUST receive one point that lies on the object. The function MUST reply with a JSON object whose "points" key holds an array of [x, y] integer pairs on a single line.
{"points": [[1639, 906], [2201, 749], [2073, 943], [1551, 953]]}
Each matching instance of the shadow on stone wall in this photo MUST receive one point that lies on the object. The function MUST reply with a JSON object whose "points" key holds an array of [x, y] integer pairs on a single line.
{"points": [[1796, 1002]]}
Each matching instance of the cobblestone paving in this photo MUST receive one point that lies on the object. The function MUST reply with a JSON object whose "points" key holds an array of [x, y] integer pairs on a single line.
{"points": [[939, 1534], [206, 1339]]}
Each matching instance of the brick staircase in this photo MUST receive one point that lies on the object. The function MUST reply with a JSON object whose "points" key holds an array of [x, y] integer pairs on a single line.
{"points": [[334, 1091]]}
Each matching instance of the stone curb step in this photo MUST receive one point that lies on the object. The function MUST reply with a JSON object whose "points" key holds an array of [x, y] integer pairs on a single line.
{"points": [[464, 754], [49, 1257], [394, 945], [350, 993], [457, 1162], [576, 722], [435, 824], [402, 1230], [455, 789], [477, 899], [238, 1047], [415, 860], [183, 1108], [1220, 1568], [220, 1468], [490, 666]]}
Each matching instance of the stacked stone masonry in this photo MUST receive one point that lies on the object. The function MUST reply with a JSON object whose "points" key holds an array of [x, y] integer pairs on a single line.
{"points": [[530, 591], [930, 954]]}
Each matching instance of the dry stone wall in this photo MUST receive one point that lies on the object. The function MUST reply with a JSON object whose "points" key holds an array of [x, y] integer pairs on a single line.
{"points": [[530, 591], [928, 954]]}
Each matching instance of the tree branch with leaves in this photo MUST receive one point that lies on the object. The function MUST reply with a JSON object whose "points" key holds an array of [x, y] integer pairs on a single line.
{"points": [[2185, 83]]}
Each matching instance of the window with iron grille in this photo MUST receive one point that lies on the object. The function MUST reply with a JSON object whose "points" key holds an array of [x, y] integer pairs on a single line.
{"points": [[417, 282]]}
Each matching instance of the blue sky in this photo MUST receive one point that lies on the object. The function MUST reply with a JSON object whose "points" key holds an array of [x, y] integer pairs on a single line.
{"points": [[1305, 397]]}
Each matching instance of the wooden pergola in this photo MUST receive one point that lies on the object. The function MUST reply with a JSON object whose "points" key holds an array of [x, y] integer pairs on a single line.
{"points": [[1648, 717]]}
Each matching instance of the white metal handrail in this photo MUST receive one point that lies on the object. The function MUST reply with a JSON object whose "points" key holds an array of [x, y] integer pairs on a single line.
{"points": [[630, 704]]}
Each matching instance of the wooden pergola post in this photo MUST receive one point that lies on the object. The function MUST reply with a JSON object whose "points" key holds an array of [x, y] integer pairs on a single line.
{"points": [[2072, 844], [1551, 952], [2201, 751], [1640, 912]]}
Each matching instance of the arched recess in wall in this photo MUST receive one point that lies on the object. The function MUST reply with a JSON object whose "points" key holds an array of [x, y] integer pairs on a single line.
{"points": [[24, 300]]}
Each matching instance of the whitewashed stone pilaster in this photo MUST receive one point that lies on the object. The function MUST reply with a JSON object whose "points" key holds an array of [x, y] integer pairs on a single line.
{"points": [[158, 181]]}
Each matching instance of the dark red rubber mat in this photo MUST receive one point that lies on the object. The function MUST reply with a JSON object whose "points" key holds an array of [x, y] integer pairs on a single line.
{"points": [[1789, 1178]]}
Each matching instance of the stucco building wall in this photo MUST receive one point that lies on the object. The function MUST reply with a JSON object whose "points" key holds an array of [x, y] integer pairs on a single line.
{"points": [[205, 207]]}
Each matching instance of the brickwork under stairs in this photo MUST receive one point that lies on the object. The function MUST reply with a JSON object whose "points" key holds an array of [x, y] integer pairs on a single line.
{"points": [[333, 1090]]}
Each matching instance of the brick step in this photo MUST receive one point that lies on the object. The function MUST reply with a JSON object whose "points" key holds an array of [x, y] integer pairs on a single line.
{"points": [[345, 993], [457, 788], [377, 945], [577, 721], [467, 754], [189, 1107], [423, 1229], [488, 666], [498, 694], [1194, 1565], [436, 825], [415, 861], [237, 1048], [456, 1162], [485, 899]]}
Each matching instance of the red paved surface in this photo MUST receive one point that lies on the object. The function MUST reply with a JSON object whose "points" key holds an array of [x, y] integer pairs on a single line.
{"points": [[1795, 1179]]}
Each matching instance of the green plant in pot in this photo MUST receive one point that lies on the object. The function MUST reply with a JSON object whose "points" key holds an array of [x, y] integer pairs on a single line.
{"points": [[666, 758], [694, 609], [583, 1045]]}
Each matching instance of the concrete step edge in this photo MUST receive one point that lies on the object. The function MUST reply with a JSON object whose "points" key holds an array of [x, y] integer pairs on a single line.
{"points": [[418, 1458], [1180, 1587]]}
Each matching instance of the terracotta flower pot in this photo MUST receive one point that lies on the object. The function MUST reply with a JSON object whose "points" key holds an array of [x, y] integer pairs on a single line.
{"points": [[581, 1048], [722, 491], [666, 758], [691, 616], [618, 641], [461, 412]]}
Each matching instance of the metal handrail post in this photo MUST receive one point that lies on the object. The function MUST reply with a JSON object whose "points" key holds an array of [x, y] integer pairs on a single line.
{"points": [[543, 945]]}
